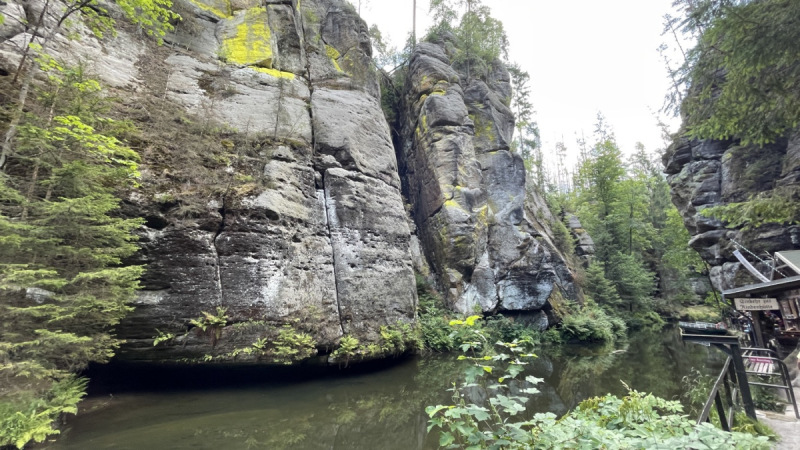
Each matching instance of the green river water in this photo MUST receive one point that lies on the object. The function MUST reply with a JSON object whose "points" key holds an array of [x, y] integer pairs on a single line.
{"points": [[146, 408]]}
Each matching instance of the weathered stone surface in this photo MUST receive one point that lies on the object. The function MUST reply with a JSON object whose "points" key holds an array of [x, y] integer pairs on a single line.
{"points": [[305, 226], [486, 237], [296, 216], [350, 127], [370, 239], [708, 173], [113, 61]]}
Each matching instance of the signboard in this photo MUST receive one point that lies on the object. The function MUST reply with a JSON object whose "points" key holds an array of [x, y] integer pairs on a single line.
{"points": [[759, 360], [756, 304]]}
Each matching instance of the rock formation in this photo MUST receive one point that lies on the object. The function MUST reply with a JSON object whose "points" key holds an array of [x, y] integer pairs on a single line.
{"points": [[270, 184], [476, 221], [704, 173]]}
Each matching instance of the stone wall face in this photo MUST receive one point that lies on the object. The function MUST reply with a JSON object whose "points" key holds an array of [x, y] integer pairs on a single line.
{"points": [[476, 221], [707, 173], [327, 244], [322, 240]]}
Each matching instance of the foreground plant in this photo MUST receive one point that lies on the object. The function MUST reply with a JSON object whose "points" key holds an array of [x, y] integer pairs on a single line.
{"points": [[489, 412]]}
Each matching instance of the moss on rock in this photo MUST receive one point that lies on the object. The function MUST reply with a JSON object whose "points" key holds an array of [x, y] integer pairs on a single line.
{"points": [[250, 45]]}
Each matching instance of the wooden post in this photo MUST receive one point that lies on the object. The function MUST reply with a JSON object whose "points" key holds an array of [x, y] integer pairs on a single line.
{"points": [[757, 329], [741, 379]]}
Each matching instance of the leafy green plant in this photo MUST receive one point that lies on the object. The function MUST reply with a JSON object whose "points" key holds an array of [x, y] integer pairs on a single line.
{"points": [[29, 419], [212, 324], [63, 239], [398, 338], [489, 425], [162, 337], [590, 323], [779, 206], [292, 345], [348, 348], [636, 420]]}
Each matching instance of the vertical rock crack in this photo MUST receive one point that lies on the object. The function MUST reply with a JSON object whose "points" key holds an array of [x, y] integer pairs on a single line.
{"points": [[325, 200]]}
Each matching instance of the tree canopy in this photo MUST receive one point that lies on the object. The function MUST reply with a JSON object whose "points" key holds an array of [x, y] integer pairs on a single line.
{"points": [[742, 78]]}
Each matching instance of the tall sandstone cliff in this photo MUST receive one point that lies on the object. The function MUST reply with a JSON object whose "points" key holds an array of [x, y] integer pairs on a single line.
{"points": [[705, 173], [486, 237], [271, 187]]}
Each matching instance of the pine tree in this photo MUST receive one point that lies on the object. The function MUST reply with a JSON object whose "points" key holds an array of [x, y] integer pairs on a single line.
{"points": [[63, 285], [741, 80]]}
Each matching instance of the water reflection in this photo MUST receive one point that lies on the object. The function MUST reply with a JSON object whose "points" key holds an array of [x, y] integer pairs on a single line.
{"points": [[373, 409]]}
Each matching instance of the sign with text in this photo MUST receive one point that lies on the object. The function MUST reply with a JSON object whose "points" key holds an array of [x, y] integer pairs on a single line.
{"points": [[756, 304]]}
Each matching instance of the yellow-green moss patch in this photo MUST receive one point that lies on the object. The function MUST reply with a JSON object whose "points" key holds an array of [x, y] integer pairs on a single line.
{"points": [[250, 45], [213, 9], [334, 55], [276, 73]]}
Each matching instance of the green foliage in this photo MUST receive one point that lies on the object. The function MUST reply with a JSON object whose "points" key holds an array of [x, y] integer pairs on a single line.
{"points": [[741, 80], [599, 287], [644, 319], [162, 337], [398, 338], [439, 332], [744, 424], [562, 238], [500, 328], [28, 418], [528, 142], [154, 17], [435, 332], [590, 323], [634, 282], [292, 345], [211, 324], [480, 39], [779, 206], [766, 398], [348, 348], [636, 420], [62, 243]]}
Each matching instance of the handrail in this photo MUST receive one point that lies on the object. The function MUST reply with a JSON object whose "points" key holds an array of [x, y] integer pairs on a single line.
{"points": [[784, 373], [725, 420]]}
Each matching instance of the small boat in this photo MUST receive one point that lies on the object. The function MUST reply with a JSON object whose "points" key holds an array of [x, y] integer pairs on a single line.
{"points": [[703, 327]]}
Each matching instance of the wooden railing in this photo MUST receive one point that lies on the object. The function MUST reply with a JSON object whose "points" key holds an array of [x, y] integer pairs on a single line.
{"points": [[727, 381]]}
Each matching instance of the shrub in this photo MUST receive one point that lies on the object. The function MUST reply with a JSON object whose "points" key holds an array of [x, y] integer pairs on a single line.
{"points": [[592, 324], [348, 348], [398, 338], [637, 420], [292, 345], [29, 418]]}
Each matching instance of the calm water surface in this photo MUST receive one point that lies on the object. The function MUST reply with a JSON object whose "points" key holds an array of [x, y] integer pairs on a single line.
{"points": [[371, 408]]}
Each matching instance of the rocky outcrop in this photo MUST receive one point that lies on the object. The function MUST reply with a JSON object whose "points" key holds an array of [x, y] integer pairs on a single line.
{"points": [[270, 185], [705, 173], [296, 217], [478, 225]]}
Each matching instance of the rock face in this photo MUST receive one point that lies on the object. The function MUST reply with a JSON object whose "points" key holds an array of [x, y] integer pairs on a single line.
{"points": [[707, 173], [478, 225], [318, 238], [271, 189]]}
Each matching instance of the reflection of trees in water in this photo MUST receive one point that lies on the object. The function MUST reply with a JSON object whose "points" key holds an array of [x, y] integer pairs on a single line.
{"points": [[579, 374], [653, 361]]}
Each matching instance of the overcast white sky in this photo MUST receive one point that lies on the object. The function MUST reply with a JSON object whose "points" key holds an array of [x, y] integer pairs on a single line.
{"points": [[583, 56]]}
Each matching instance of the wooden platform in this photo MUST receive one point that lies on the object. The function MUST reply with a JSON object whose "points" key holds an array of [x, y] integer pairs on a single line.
{"points": [[759, 365]]}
